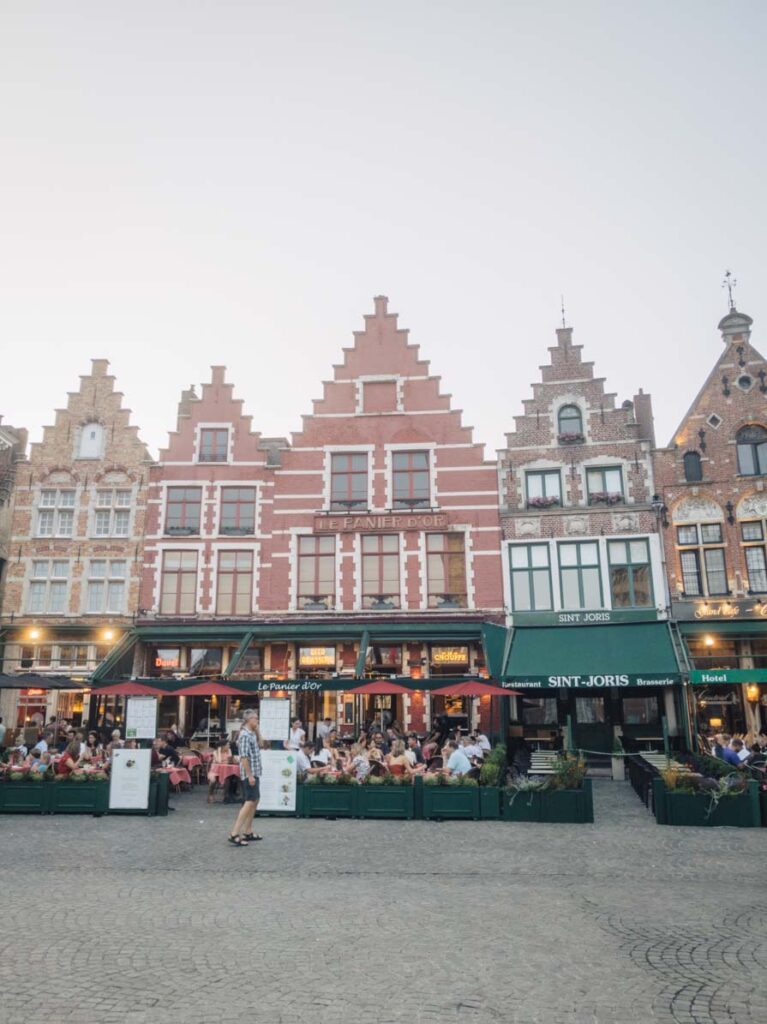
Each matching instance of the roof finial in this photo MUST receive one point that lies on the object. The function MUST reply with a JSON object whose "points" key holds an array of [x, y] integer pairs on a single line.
{"points": [[729, 283], [562, 306]]}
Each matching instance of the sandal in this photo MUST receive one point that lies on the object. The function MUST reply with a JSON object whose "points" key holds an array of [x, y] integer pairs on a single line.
{"points": [[236, 841], [250, 838]]}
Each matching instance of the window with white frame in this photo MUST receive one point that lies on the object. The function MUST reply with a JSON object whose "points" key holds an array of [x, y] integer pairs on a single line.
{"points": [[178, 595], [56, 513], [543, 488], [411, 485], [604, 485], [234, 583], [701, 560], [446, 570], [380, 571], [348, 481], [48, 587], [107, 580], [316, 572], [214, 444], [111, 516]]}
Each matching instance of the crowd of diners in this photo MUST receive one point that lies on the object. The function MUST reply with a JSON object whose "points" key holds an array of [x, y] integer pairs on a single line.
{"points": [[748, 749], [387, 750]]}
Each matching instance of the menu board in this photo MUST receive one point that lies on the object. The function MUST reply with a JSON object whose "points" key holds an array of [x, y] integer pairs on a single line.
{"points": [[278, 781], [141, 718], [129, 780], [274, 718]]}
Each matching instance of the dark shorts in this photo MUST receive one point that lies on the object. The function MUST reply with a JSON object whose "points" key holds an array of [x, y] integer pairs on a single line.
{"points": [[250, 792]]}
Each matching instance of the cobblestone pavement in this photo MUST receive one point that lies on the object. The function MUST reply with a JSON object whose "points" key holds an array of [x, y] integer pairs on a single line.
{"points": [[138, 920]]}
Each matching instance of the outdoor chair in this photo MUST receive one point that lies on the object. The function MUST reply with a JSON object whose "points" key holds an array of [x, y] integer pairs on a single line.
{"points": [[434, 763]]}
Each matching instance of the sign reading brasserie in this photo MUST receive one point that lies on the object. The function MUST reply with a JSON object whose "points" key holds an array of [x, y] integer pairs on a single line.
{"points": [[588, 682], [374, 523], [713, 676]]}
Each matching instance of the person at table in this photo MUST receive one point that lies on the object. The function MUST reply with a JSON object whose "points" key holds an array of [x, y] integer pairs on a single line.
{"points": [[173, 736], [324, 754], [482, 742], [222, 755], [718, 743], [304, 757], [167, 752], [471, 748], [360, 763], [94, 751], [396, 760], [33, 757], [296, 736], [43, 763], [457, 762], [324, 727], [735, 751], [380, 742], [69, 760], [413, 751]]}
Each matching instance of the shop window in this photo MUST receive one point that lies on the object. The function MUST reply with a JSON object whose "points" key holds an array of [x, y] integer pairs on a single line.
{"points": [[73, 655], [205, 661], [641, 711], [538, 710], [182, 512], [712, 650], [380, 572], [604, 485], [111, 516], [448, 661], [446, 570], [106, 586], [752, 535], [579, 575], [234, 583], [630, 574], [570, 423], [752, 450], [693, 467], [238, 511], [178, 594], [530, 578], [48, 588], [348, 481], [590, 710], [250, 664], [56, 513], [214, 444], [543, 488], [411, 486], [383, 659], [38, 657], [91, 441], [316, 573], [163, 661], [701, 560]]}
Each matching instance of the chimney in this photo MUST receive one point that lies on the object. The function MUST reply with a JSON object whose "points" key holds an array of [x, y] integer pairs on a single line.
{"points": [[185, 405], [644, 417]]}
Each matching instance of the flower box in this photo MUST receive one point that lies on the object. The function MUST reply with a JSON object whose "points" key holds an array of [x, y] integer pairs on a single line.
{"points": [[489, 803], [78, 797], [322, 801], [452, 801], [697, 809], [570, 438], [605, 498], [543, 502], [24, 797], [554, 806], [382, 801]]}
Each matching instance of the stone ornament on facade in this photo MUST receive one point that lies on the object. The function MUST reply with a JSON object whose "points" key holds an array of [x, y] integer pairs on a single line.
{"points": [[625, 522], [528, 527], [693, 509], [577, 525], [752, 507]]}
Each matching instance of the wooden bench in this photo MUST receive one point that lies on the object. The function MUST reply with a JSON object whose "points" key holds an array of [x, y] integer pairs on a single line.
{"points": [[542, 762]]}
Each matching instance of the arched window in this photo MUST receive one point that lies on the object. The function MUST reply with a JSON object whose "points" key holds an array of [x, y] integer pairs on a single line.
{"points": [[570, 422], [693, 470], [752, 450], [91, 441]]}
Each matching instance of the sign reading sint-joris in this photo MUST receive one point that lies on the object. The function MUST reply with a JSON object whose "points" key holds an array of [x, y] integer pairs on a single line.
{"points": [[592, 681]]}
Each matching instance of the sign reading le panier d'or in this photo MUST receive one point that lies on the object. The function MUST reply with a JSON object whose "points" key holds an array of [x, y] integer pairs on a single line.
{"points": [[374, 523]]}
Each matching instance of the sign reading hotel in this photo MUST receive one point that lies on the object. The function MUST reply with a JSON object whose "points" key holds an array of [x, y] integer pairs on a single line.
{"points": [[375, 523], [714, 676]]}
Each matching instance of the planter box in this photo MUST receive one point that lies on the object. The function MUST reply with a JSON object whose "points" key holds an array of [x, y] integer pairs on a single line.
{"points": [[559, 806], [78, 797], [318, 801], [24, 797], [451, 802], [386, 802], [489, 803], [692, 808], [763, 806]]}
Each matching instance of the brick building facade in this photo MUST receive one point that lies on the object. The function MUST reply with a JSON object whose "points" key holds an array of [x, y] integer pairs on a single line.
{"points": [[75, 553], [13, 445], [583, 562], [711, 477], [368, 546]]}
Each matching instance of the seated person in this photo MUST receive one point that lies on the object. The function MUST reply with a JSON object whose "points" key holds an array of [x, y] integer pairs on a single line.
{"points": [[304, 757], [380, 742], [360, 764], [397, 760], [483, 742], [173, 737], [739, 750], [471, 749], [457, 762], [69, 760], [413, 751], [324, 755], [719, 745], [222, 755], [43, 764], [167, 752], [33, 757], [93, 748]]}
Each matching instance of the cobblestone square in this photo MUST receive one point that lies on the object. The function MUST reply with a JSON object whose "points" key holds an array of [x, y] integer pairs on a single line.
{"points": [[156, 920]]}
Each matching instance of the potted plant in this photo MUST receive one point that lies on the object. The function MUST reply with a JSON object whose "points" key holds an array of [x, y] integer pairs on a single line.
{"points": [[328, 796], [490, 776], [689, 798], [446, 796], [23, 792], [79, 793], [618, 761], [563, 796], [386, 796]]}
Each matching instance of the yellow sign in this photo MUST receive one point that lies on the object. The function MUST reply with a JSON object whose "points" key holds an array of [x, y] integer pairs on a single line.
{"points": [[450, 655], [317, 657]]}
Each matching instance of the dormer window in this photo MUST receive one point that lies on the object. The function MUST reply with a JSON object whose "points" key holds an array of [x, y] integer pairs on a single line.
{"points": [[693, 468], [91, 441], [569, 424], [214, 444], [752, 450]]}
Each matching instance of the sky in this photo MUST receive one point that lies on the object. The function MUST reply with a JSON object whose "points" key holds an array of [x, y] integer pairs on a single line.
{"points": [[193, 182]]}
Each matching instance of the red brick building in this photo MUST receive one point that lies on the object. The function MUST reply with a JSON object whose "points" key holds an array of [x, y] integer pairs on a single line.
{"points": [[711, 478], [583, 564], [368, 547]]}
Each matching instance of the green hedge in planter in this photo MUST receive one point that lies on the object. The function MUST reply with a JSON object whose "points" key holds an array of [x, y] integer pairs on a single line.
{"points": [[24, 797], [449, 799], [699, 809], [382, 800], [78, 797], [323, 800], [549, 805]]}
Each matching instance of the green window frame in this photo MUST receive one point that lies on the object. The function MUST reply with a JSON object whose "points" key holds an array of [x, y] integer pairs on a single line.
{"points": [[580, 575], [543, 487], [600, 484], [630, 573], [530, 572]]}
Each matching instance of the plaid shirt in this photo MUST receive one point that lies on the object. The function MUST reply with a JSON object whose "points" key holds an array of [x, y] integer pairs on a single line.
{"points": [[247, 746]]}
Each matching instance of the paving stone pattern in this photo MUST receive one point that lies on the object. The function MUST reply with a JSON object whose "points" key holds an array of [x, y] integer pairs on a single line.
{"points": [[136, 920]]}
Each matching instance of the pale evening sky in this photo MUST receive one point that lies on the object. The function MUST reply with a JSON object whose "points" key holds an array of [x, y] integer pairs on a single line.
{"points": [[187, 182]]}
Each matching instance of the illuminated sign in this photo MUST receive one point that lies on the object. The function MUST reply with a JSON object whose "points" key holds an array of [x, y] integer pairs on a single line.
{"points": [[317, 657], [450, 655]]}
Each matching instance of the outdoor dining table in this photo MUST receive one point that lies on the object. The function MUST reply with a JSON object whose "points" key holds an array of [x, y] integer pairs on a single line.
{"points": [[191, 760], [221, 772], [177, 775]]}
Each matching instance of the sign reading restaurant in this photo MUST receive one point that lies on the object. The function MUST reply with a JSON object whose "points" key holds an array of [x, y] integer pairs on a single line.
{"points": [[376, 523], [587, 682]]}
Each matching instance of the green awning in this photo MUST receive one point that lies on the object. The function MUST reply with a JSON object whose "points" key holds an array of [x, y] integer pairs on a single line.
{"points": [[592, 657]]}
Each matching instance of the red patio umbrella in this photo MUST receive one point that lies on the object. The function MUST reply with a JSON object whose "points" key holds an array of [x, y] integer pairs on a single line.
{"points": [[210, 689], [129, 689], [474, 688], [380, 686]]}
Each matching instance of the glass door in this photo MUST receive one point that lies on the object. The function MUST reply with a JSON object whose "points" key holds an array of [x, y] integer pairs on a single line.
{"points": [[592, 725]]}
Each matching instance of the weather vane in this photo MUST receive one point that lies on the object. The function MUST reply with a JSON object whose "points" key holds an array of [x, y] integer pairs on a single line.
{"points": [[729, 283], [562, 306]]}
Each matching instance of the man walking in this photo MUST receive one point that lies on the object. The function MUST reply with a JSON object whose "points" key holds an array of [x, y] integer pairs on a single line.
{"points": [[249, 747]]}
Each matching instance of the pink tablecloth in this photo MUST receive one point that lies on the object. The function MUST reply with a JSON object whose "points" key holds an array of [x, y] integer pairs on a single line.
{"points": [[191, 760], [206, 755], [219, 772], [177, 775]]}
